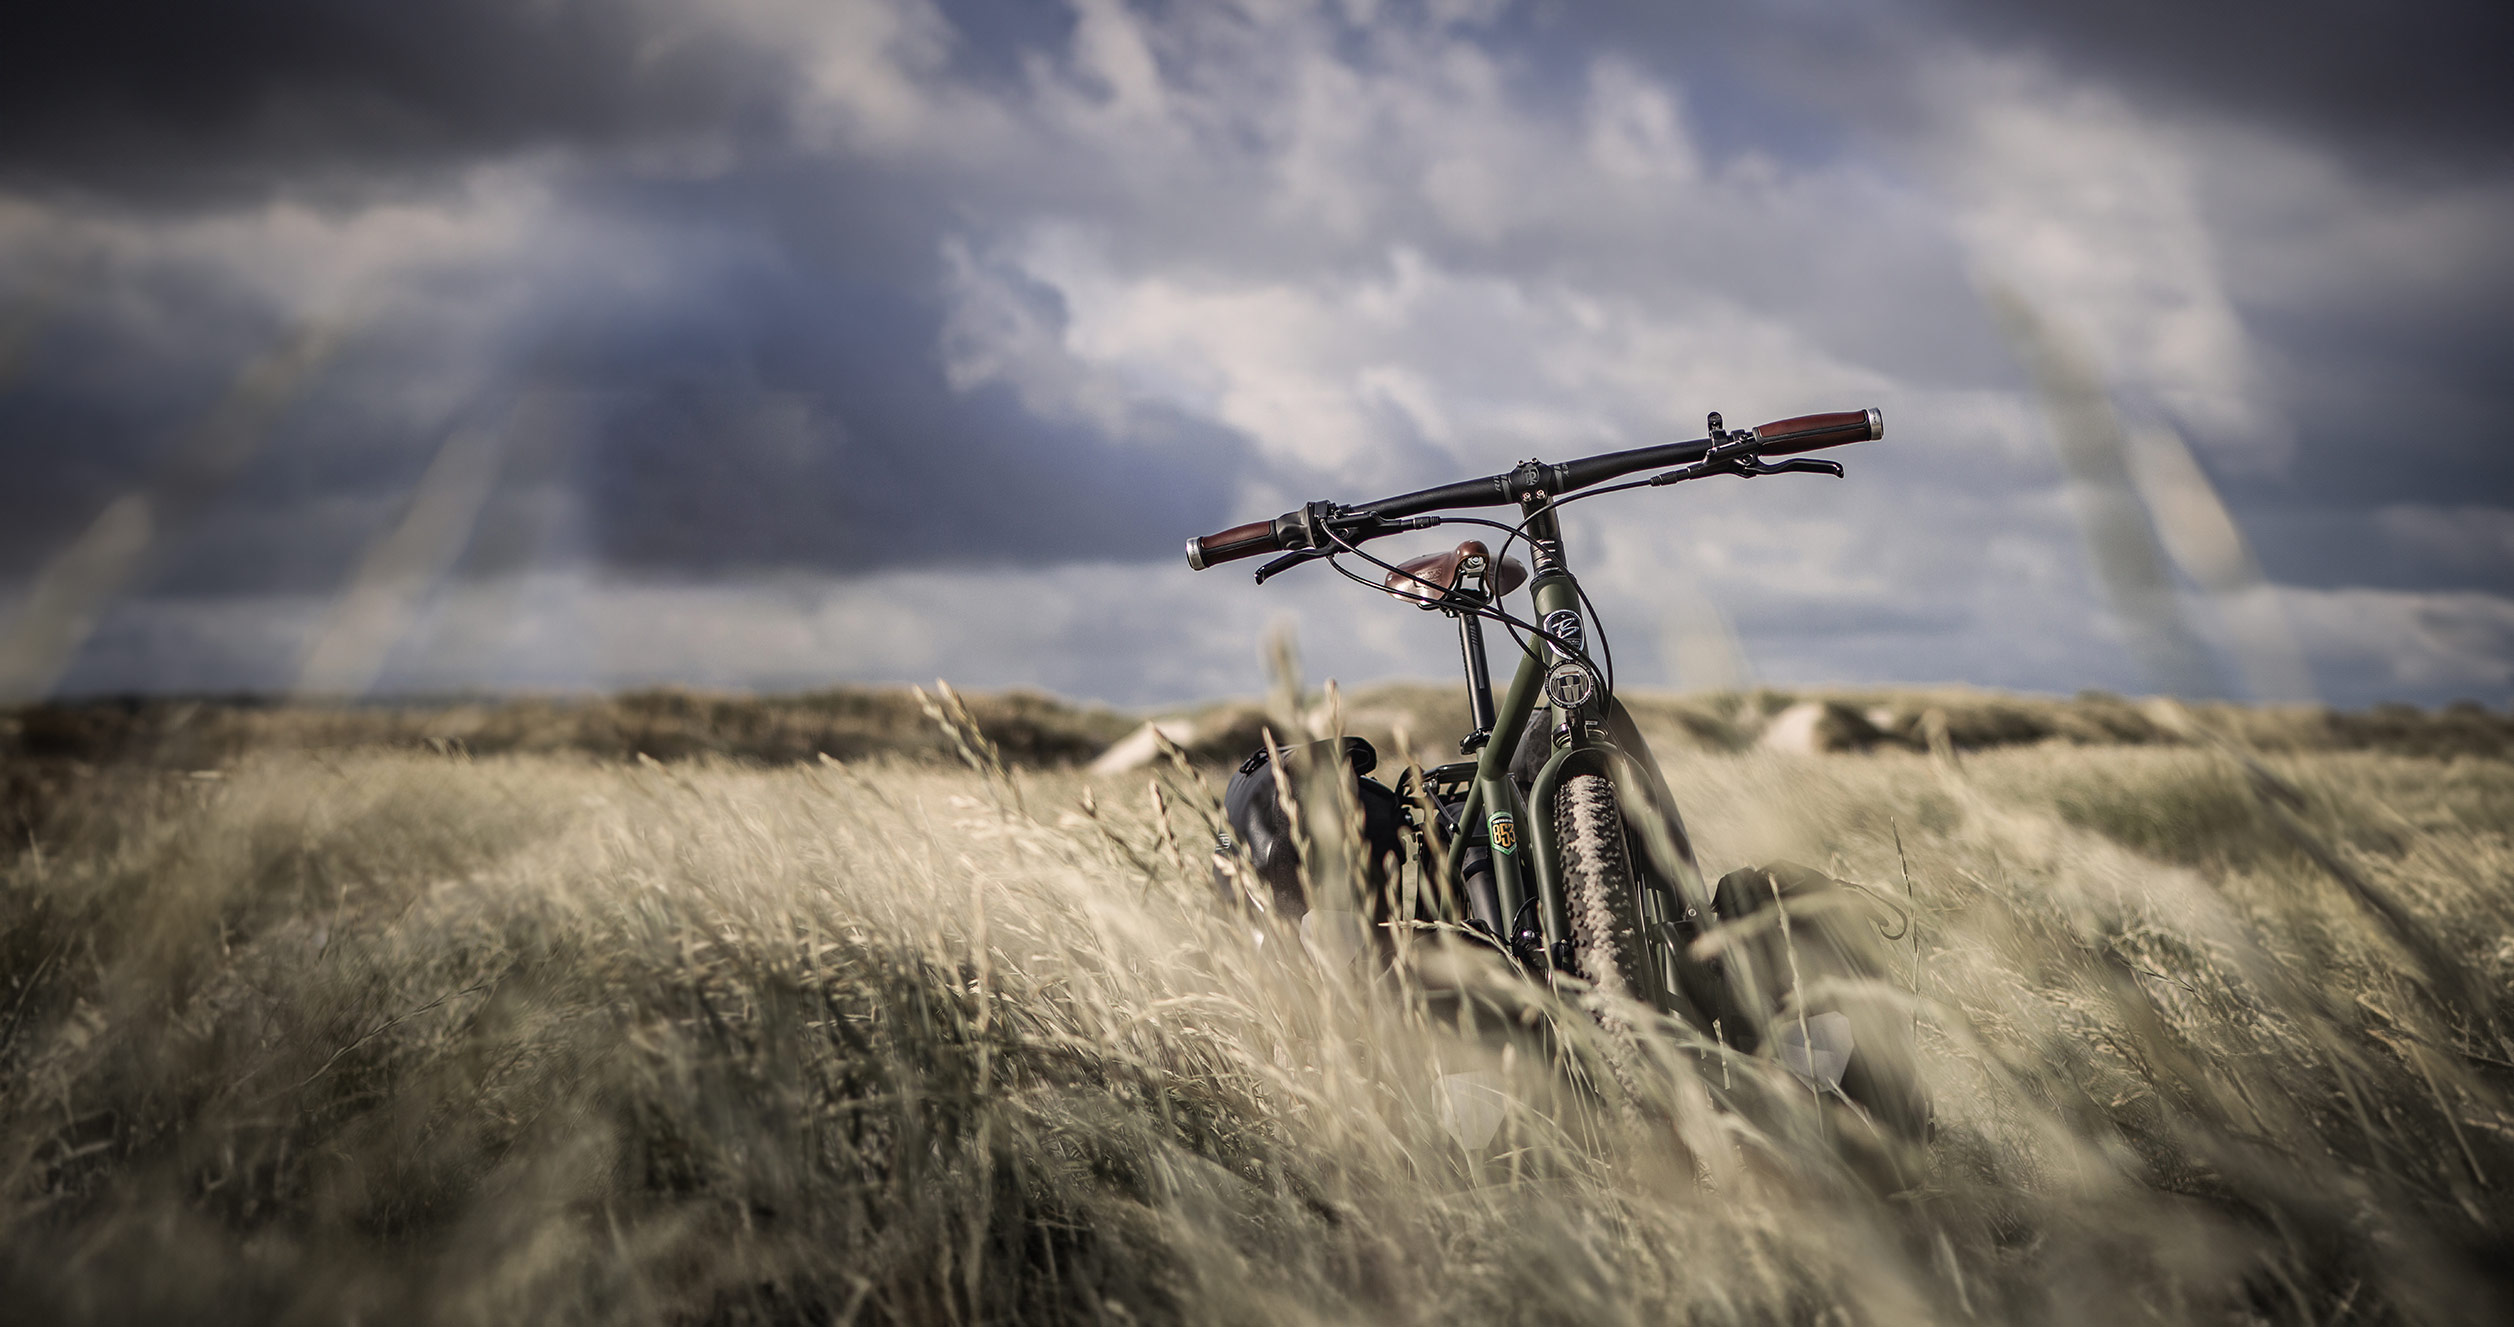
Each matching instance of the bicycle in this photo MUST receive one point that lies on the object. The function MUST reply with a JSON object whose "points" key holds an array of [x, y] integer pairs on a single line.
{"points": [[1565, 892]]}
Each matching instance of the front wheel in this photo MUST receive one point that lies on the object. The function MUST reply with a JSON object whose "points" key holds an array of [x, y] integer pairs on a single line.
{"points": [[1598, 888]]}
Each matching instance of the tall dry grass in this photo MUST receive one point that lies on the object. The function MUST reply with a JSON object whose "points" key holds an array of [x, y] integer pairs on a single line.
{"points": [[399, 1037]]}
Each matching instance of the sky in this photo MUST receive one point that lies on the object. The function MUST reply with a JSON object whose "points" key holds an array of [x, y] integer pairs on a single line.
{"points": [[483, 345]]}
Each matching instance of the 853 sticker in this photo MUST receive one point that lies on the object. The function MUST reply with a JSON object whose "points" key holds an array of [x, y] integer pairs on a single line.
{"points": [[1505, 831]]}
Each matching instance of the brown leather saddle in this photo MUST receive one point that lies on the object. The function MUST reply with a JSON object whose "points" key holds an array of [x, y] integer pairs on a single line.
{"points": [[1427, 580]]}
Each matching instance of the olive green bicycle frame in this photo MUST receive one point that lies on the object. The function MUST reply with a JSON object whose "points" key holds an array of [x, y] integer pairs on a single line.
{"points": [[1582, 745]]}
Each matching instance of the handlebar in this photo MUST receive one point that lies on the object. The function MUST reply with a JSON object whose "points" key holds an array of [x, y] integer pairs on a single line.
{"points": [[1240, 541], [1806, 433], [1724, 451]]}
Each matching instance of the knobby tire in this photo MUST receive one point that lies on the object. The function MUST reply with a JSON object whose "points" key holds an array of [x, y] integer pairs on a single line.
{"points": [[1598, 890]]}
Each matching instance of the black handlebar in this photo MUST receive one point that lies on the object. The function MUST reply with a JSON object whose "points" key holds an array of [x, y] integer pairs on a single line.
{"points": [[1735, 452]]}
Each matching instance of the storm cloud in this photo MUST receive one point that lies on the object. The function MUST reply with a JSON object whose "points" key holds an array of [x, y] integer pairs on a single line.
{"points": [[169, 103], [2409, 89], [882, 338]]}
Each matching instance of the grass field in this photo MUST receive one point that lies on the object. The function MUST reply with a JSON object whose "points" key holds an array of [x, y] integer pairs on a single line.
{"points": [[416, 1030]]}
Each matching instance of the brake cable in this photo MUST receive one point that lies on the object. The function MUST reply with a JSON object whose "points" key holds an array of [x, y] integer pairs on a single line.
{"points": [[1569, 650], [1485, 610], [1606, 677], [1745, 465], [1606, 645], [1745, 461]]}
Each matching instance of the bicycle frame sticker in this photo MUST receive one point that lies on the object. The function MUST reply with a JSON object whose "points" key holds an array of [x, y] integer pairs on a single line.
{"points": [[1564, 624], [1505, 831]]}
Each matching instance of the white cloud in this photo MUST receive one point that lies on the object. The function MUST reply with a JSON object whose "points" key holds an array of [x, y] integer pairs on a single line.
{"points": [[871, 76], [1636, 129], [2093, 212], [2408, 642], [448, 279], [1594, 303], [292, 254], [1128, 633]]}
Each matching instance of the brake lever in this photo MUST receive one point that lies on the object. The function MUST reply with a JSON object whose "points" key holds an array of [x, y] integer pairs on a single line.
{"points": [[1373, 528], [1797, 465], [1287, 562], [1747, 467]]}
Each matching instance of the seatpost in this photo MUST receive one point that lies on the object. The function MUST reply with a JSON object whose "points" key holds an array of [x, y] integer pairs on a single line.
{"points": [[1479, 683]]}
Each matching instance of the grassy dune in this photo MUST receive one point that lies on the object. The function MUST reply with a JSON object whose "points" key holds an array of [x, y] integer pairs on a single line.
{"points": [[387, 1034], [1036, 730]]}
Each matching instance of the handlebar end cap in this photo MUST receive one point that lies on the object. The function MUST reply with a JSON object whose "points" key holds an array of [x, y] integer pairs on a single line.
{"points": [[1195, 555], [1876, 423]]}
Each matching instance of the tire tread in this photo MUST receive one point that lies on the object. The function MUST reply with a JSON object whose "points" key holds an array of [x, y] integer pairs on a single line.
{"points": [[1598, 888]]}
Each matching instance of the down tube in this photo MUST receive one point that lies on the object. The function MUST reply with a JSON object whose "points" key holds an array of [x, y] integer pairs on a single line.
{"points": [[1498, 800]]}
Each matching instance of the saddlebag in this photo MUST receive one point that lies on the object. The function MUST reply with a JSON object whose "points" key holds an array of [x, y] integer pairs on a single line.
{"points": [[1263, 829]]}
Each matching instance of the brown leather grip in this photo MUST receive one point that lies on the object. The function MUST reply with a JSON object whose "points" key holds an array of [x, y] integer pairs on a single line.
{"points": [[1240, 541], [1805, 433]]}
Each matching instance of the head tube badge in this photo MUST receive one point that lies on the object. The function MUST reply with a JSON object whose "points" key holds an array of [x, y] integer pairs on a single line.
{"points": [[1563, 625], [1505, 829], [1569, 685]]}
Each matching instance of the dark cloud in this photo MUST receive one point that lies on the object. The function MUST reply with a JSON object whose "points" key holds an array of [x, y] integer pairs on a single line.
{"points": [[160, 98], [820, 433], [2417, 86], [2408, 547], [169, 103], [2392, 407], [782, 409], [114, 400], [784, 412]]}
